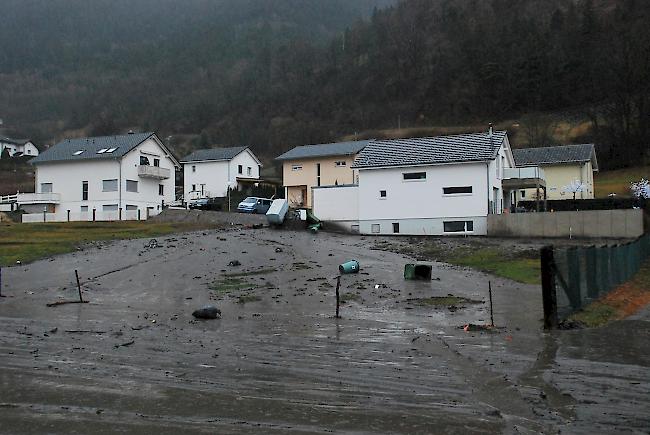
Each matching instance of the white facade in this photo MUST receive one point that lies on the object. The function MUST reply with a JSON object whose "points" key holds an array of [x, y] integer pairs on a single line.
{"points": [[433, 199], [106, 189], [338, 206], [211, 178], [27, 148]]}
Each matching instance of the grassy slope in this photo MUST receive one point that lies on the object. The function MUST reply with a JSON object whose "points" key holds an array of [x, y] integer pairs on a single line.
{"points": [[618, 181], [29, 242], [624, 301]]}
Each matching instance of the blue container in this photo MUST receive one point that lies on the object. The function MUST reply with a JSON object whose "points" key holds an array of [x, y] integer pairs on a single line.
{"points": [[351, 266]]}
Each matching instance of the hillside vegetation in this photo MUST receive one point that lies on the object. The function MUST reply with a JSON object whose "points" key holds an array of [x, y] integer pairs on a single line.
{"points": [[278, 73]]}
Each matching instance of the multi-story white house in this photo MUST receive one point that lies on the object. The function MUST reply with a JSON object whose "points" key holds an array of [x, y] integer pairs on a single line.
{"points": [[423, 186], [121, 177], [17, 147], [208, 173]]}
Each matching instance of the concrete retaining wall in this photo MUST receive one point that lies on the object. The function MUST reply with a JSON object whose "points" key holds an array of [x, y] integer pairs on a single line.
{"points": [[582, 224]]}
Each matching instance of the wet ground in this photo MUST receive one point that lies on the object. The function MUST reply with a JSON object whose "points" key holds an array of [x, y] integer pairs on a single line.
{"points": [[134, 359]]}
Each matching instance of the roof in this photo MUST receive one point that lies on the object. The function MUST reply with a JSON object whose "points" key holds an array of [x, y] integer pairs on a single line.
{"points": [[555, 155], [69, 149], [213, 154], [324, 150], [9, 140], [473, 147]]}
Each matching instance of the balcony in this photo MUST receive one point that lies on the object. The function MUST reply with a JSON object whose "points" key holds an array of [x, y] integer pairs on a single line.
{"points": [[38, 198], [523, 178], [155, 172]]}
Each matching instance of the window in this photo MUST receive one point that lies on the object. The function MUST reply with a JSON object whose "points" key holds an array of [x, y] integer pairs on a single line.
{"points": [[339, 164], [161, 189], [296, 167], [102, 151], [144, 161], [156, 162], [84, 209], [84, 191], [382, 194], [375, 228], [193, 187], [131, 186], [46, 187], [78, 153], [29, 152], [458, 226], [354, 228], [318, 174], [249, 171], [193, 168], [131, 207], [109, 185], [109, 207], [415, 175], [523, 193], [457, 190], [240, 169], [396, 227], [111, 150]]}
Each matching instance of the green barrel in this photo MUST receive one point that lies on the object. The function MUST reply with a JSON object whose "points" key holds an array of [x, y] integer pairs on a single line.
{"points": [[351, 266]]}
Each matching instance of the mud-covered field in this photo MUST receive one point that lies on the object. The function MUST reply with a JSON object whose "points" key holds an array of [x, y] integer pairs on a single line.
{"points": [[134, 359]]}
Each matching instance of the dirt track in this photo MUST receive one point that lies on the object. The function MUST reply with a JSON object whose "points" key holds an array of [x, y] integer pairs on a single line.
{"points": [[283, 363]]}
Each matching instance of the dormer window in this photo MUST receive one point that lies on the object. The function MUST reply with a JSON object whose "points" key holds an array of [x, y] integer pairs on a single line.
{"points": [[102, 151], [78, 153], [111, 150]]}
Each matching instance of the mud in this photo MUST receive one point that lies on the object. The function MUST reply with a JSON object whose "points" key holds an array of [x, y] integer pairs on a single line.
{"points": [[134, 359]]}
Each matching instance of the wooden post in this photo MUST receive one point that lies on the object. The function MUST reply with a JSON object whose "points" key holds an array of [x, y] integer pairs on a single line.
{"points": [[549, 296], [338, 299], [491, 310], [94, 214], [78, 286]]}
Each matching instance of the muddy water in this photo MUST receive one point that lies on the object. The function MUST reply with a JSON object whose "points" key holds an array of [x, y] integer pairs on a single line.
{"points": [[134, 360]]}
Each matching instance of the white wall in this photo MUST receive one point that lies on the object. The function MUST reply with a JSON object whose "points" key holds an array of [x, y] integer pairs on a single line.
{"points": [[339, 203], [215, 175], [29, 149], [67, 178]]}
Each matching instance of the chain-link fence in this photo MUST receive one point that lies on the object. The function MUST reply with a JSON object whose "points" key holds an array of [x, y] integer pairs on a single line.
{"points": [[574, 277]]}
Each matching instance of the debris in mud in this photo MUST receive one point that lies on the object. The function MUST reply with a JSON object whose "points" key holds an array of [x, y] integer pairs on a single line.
{"points": [[420, 272], [278, 249], [243, 299], [234, 263], [443, 301], [207, 312], [153, 243], [571, 324], [128, 343], [471, 327]]}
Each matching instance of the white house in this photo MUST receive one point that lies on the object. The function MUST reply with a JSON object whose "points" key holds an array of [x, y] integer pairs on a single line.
{"points": [[17, 147], [129, 176], [422, 186], [208, 173]]}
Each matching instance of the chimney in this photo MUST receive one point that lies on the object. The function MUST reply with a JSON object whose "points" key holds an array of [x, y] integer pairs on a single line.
{"points": [[130, 131], [491, 131]]}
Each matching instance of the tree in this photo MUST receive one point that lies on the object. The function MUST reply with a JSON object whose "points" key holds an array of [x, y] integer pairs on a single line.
{"points": [[641, 189], [576, 186]]}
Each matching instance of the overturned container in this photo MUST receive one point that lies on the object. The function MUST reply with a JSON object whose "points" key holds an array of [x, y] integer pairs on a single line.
{"points": [[351, 266], [277, 211], [417, 272]]}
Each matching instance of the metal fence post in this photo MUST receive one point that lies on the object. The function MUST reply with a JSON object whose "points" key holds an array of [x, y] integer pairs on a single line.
{"points": [[549, 295]]}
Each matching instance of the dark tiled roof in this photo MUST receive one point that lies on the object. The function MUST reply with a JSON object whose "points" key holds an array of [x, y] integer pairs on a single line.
{"points": [[9, 140], [213, 154], [430, 150], [65, 150], [324, 150], [554, 155]]}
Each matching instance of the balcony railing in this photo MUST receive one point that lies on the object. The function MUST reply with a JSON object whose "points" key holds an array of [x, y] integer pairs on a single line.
{"points": [[38, 198], [530, 172], [156, 172]]}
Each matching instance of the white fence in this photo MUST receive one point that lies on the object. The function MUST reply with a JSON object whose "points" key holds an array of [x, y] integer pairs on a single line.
{"points": [[131, 215]]}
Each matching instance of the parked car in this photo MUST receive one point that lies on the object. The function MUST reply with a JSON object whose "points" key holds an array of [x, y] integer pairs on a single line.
{"points": [[253, 204], [205, 204]]}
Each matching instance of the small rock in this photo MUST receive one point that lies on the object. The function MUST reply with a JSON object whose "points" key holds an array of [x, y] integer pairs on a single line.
{"points": [[207, 312], [278, 249], [234, 263]]}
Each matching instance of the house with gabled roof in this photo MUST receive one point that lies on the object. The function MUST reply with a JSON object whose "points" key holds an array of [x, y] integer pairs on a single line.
{"points": [[208, 173], [117, 177], [17, 147], [423, 186], [562, 166], [308, 166]]}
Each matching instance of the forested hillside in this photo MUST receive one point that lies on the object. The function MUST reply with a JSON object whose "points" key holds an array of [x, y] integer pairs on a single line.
{"points": [[277, 73]]}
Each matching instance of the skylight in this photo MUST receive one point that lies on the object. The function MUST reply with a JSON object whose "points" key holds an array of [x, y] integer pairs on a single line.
{"points": [[102, 151], [76, 153], [110, 150]]}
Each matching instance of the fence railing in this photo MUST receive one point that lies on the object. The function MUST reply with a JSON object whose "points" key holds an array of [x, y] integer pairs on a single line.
{"points": [[574, 277], [100, 216]]}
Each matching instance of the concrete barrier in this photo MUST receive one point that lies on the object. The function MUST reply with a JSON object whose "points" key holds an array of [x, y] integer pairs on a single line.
{"points": [[581, 224]]}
